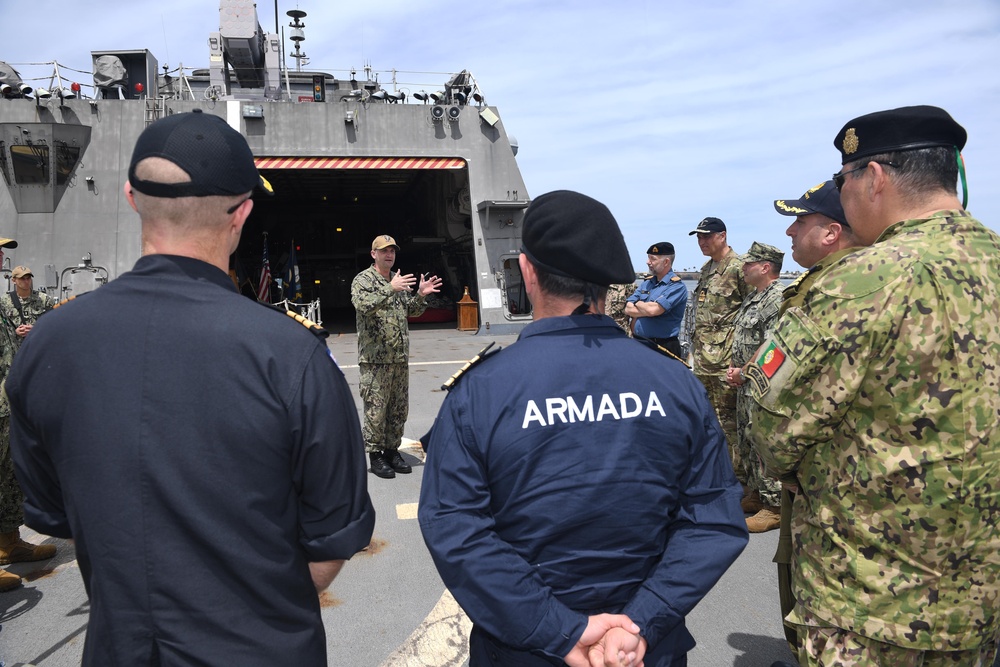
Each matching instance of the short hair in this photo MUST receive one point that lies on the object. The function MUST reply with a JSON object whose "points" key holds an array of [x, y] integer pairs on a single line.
{"points": [[565, 287], [918, 171], [776, 264]]}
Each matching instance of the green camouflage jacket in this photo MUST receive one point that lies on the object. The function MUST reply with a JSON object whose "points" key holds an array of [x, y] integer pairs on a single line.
{"points": [[383, 334], [755, 318], [795, 293], [881, 391], [718, 298], [614, 304]]}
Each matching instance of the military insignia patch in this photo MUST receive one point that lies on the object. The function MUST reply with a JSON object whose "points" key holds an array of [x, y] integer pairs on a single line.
{"points": [[850, 141], [770, 359]]}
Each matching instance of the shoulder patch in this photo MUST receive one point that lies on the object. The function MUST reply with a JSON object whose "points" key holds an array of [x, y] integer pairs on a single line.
{"points": [[675, 279], [483, 353], [308, 324]]}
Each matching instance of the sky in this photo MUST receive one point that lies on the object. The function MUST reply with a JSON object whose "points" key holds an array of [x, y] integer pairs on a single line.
{"points": [[665, 111]]}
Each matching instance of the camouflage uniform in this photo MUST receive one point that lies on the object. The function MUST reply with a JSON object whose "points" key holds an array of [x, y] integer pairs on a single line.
{"points": [[614, 305], [31, 309], [11, 497], [754, 320], [718, 297], [794, 295], [881, 393], [383, 352]]}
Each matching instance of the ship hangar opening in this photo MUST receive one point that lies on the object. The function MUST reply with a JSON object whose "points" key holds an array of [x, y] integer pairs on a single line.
{"points": [[332, 209]]}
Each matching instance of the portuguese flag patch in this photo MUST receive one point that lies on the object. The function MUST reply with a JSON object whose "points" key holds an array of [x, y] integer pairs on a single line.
{"points": [[770, 359]]}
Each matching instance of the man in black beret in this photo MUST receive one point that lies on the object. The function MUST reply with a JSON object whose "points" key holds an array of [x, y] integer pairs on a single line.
{"points": [[596, 480], [879, 393], [213, 476], [657, 307]]}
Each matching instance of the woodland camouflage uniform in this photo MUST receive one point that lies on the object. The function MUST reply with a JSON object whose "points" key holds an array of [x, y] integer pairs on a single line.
{"points": [[718, 297], [383, 355], [880, 393], [614, 304]]}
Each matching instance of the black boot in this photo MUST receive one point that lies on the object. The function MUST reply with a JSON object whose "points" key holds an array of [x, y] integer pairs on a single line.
{"points": [[380, 465], [397, 462]]}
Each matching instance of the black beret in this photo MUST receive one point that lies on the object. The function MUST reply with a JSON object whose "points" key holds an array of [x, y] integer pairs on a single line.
{"points": [[903, 129], [214, 155], [661, 248], [571, 235]]}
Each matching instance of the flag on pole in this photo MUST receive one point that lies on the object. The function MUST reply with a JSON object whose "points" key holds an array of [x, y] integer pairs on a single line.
{"points": [[264, 286], [292, 275]]}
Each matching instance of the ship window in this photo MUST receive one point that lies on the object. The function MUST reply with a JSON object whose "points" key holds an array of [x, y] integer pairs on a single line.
{"points": [[31, 164], [66, 159], [3, 162]]}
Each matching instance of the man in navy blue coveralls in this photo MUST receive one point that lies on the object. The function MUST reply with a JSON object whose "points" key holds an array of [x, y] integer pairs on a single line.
{"points": [[212, 474], [578, 475]]}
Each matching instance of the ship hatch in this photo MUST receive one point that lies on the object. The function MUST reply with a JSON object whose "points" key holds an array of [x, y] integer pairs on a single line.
{"points": [[332, 208]]}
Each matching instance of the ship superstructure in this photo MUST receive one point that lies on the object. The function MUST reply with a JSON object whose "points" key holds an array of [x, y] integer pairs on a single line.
{"points": [[348, 157]]}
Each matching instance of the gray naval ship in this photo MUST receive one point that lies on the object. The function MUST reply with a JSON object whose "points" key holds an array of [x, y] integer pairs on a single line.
{"points": [[348, 157]]}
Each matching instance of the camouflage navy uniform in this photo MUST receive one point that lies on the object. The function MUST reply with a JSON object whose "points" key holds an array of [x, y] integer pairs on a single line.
{"points": [[718, 296], [11, 496], [614, 305], [31, 309], [880, 392], [754, 320], [383, 353]]}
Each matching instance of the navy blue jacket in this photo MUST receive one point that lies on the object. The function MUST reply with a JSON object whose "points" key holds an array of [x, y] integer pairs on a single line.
{"points": [[201, 449], [579, 472]]}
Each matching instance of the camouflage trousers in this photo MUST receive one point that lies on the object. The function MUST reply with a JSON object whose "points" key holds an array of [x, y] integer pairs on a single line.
{"points": [[753, 467], [11, 496], [827, 646], [385, 391], [723, 399]]}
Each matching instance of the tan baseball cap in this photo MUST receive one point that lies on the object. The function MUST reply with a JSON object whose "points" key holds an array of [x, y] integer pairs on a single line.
{"points": [[21, 271], [8, 243], [384, 241]]}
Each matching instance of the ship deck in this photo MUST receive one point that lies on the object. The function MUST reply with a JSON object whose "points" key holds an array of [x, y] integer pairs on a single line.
{"points": [[388, 607]]}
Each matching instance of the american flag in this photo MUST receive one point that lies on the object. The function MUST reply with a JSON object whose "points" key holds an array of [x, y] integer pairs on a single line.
{"points": [[264, 287]]}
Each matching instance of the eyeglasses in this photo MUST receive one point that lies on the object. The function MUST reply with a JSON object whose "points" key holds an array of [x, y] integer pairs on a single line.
{"points": [[232, 209], [838, 178]]}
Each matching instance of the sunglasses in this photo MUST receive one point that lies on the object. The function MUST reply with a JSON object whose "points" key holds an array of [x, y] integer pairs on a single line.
{"points": [[838, 178]]}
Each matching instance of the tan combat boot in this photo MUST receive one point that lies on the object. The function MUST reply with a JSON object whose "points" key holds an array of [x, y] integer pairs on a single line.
{"points": [[751, 503], [764, 520], [15, 550], [8, 581]]}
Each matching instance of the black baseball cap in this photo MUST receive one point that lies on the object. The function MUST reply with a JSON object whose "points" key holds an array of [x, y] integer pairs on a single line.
{"points": [[709, 226], [894, 130], [213, 154], [823, 199], [574, 236]]}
